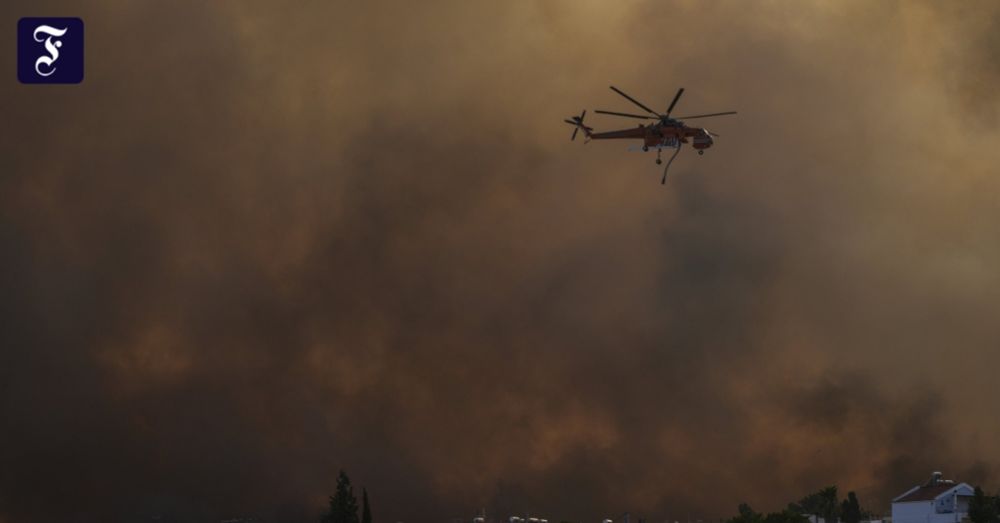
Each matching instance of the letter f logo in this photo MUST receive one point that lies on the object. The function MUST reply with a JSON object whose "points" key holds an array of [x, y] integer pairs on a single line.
{"points": [[42, 42], [52, 46]]}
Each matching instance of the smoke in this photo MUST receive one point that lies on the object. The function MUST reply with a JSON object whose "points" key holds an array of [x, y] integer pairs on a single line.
{"points": [[259, 244]]}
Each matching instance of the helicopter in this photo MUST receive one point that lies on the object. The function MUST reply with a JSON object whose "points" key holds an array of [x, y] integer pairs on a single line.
{"points": [[665, 133]]}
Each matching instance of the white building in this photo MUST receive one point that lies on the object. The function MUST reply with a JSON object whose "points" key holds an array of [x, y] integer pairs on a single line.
{"points": [[938, 501]]}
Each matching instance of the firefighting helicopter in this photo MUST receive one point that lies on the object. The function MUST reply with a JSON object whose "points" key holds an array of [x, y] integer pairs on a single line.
{"points": [[666, 133]]}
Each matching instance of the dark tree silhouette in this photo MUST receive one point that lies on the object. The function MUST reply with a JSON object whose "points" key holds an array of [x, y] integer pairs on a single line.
{"points": [[785, 516], [823, 504], [850, 509], [343, 504], [983, 508], [748, 515], [366, 511]]}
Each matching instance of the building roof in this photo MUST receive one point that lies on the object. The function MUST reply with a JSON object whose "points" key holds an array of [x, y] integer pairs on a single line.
{"points": [[926, 492]]}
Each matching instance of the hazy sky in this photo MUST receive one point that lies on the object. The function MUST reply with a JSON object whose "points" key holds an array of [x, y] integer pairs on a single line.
{"points": [[264, 241]]}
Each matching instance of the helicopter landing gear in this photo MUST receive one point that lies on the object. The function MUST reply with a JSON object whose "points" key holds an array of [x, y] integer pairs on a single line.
{"points": [[701, 152], [658, 160], [645, 148]]}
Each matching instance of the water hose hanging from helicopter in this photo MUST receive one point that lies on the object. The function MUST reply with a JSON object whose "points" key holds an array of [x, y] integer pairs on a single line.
{"points": [[677, 150]]}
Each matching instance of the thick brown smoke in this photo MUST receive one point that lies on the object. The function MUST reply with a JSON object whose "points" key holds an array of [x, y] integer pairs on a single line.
{"points": [[265, 241]]}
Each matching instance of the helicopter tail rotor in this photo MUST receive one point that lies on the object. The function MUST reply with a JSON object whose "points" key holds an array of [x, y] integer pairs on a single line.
{"points": [[577, 122]]}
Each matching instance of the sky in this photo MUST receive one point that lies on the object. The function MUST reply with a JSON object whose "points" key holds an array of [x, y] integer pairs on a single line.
{"points": [[264, 242]]}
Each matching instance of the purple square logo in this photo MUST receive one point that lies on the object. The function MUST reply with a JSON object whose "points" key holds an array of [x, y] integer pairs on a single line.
{"points": [[50, 50]]}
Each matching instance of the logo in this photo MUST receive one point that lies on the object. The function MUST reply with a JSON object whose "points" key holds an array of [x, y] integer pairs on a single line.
{"points": [[50, 50]]}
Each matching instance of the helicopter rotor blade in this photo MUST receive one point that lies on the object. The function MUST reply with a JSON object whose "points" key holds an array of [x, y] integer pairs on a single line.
{"points": [[673, 103], [636, 102], [705, 115], [625, 114]]}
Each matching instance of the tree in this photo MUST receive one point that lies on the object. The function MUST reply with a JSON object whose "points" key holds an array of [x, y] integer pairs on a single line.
{"points": [[343, 504], [747, 515], [366, 511], [983, 508], [785, 516], [823, 504], [850, 509]]}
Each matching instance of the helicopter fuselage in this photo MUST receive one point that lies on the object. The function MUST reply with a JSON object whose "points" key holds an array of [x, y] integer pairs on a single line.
{"points": [[661, 133]]}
